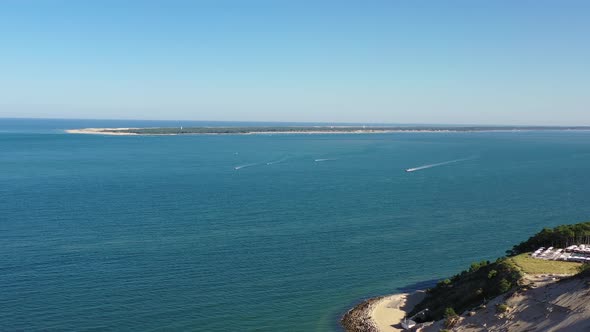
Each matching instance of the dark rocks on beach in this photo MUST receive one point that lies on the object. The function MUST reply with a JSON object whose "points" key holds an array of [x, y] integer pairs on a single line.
{"points": [[358, 319]]}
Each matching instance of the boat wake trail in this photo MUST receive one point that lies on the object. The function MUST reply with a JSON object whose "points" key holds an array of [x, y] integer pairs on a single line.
{"points": [[244, 166], [322, 160], [277, 161], [419, 168]]}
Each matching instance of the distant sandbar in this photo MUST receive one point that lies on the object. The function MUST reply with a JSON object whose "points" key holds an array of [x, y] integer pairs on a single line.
{"points": [[305, 130], [101, 131]]}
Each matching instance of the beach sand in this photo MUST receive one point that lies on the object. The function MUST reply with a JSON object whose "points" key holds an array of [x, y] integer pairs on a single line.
{"points": [[381, 314], [388, 313], [100, 131]]}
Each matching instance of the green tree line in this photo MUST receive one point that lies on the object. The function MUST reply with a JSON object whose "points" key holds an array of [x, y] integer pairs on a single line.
{"points": [[560, 236]]}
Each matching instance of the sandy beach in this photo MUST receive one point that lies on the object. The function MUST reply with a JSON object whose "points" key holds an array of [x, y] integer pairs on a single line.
{"points": [[388, 312], [100, 131], [381, 314]]}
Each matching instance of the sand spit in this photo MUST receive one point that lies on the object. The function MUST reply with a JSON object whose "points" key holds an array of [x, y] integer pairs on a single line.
{"points": [[166, 131], [546, 306], [101, 131], [344, 130], [381, 314], [119, 131]]}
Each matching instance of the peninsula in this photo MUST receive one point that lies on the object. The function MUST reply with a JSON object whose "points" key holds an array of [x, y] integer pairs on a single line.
{"points": [[308, 130], [528, 290]]}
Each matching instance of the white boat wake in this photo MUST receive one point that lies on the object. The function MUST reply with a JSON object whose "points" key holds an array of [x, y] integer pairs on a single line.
{"points": [[322, 160], [244, 166], [277, 161], [419, 168]]}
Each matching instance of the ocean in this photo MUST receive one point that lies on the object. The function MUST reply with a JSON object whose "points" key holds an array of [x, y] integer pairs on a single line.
{"points": [[259, 232]]}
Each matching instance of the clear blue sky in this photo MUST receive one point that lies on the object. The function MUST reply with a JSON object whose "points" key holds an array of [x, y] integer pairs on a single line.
{"points": [[486, 62]]}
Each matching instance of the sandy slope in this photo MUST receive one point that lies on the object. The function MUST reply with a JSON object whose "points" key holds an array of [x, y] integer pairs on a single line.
{"points": [[557, 306]]}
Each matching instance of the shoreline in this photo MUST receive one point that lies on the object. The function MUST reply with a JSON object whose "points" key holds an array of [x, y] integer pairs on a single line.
{"points": [[381, 314], [101, 131], [120, 132], [541, 302], [344, 130]]}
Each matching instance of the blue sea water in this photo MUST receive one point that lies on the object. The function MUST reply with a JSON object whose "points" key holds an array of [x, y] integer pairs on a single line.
{"points": [[142, 233]]}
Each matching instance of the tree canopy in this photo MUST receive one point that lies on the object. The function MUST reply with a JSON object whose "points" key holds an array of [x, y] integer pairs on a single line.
{"points": [[560, 236]]}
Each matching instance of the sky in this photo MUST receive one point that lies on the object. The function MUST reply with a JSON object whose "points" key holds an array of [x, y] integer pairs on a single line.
{"points": [[366, 61]]}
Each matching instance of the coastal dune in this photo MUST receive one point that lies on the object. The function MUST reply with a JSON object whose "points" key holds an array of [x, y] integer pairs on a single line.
{"points": [[549, 304], [522, 292], [556, 306]]}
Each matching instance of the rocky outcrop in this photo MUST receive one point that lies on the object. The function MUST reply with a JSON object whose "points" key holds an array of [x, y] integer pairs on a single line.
{"points": [[358, 319]]}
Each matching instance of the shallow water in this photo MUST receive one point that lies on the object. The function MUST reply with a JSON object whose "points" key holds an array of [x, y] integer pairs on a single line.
{"points": [[164, 233]]}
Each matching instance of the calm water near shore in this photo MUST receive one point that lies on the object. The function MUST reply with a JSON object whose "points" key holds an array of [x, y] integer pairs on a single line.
{"points": [[164, 233]]}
